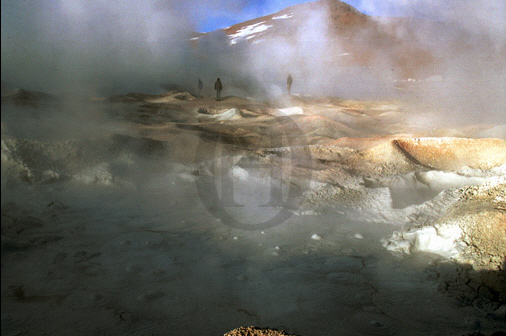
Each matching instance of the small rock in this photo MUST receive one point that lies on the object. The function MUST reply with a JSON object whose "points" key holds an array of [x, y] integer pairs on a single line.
{"points": [[376, 324], [316, 237]]}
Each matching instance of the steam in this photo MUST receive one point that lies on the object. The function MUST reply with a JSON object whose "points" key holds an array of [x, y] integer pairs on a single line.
{"points": [[95, 46], [468, 40], [480, 18], [101, 48]]}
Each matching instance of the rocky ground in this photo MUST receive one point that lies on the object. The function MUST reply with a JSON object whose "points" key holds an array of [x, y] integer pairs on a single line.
{"points": [[382, 198], [254, 331]]}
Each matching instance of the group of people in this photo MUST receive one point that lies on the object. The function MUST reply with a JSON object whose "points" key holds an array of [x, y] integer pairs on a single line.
{"points": [[218, 86]]}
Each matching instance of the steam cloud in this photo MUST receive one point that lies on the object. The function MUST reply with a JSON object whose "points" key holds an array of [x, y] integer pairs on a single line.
{"points": [[101, 47], [472, 52]]}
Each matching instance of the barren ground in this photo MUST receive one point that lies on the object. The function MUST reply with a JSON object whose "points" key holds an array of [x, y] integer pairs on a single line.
{"points": [[180, 215]]}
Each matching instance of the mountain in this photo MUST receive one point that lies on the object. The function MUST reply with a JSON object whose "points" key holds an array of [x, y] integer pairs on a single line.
{"points": [[13, 94], [399, 47], [341, 17], [7, 88]]}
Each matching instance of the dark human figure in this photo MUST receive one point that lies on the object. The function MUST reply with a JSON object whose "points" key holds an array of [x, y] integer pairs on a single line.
{"points": [[201, 85], [218, 87], [289, 82]]}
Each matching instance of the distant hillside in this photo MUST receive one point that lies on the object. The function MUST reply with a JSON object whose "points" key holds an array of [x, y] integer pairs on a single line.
{"points": [[402, 45]]}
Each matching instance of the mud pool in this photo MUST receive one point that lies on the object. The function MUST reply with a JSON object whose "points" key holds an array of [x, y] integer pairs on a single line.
{"points": [[109, 234]]}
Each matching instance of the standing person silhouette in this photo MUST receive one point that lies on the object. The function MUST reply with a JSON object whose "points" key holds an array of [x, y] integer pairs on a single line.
{"points": [[289, 82], [218, 87], [201, 85]]}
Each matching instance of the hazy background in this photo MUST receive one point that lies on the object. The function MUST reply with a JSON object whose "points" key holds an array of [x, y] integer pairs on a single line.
{"points": [[100, 48]]}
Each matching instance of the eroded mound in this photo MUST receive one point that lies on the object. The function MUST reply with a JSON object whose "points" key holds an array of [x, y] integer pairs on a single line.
{"points": [[455, 153], [96, 160]]}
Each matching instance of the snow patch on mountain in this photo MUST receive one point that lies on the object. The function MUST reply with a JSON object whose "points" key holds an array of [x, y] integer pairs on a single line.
{"points": [[281, 17], [246, 32]]}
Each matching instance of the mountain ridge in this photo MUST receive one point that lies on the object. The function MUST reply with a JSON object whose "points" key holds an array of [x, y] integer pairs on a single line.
{"points": [[346, 31], [400, 48]]}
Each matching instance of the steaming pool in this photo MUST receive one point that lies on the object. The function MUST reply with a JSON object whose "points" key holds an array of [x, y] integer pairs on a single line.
{"points": [[100, 238], [153, 260]]}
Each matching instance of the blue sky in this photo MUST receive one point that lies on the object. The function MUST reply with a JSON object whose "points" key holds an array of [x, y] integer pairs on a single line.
{"points": [[251, 9]]}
